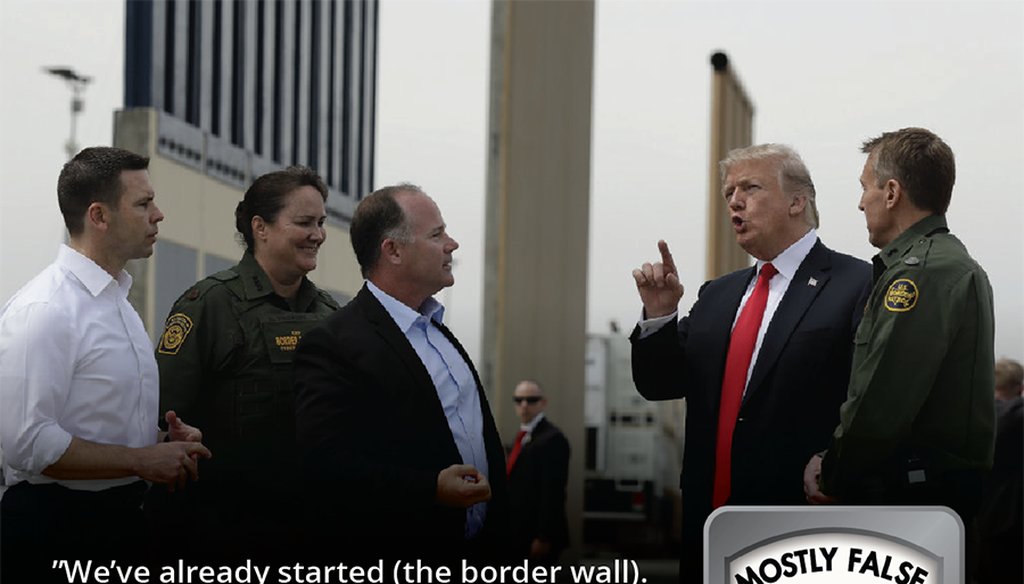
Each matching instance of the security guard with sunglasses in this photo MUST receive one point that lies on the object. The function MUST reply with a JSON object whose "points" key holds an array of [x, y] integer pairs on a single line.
{"points": [[538, 472]]}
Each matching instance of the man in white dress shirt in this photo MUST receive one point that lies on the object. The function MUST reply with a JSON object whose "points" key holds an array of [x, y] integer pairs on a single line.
{"points": [[78, 382]]}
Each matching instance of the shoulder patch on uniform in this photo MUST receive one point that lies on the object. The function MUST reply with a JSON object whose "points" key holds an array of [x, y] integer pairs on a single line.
{"points": [[177, 328], [901, 295]]}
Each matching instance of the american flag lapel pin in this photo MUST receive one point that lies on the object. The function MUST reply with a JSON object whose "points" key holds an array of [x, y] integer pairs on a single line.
{"points": [[812, 282]]}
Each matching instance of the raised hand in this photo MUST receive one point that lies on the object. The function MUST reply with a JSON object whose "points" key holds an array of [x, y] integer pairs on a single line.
{"points": [[659, 285]]}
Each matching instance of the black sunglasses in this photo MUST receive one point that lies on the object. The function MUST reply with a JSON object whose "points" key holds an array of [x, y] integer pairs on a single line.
{"points": [[530, 399]]}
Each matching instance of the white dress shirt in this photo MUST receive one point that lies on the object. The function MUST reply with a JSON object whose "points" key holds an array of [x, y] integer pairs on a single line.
{"points": [[75, 361], [453, 381], [787, 263], [529, 428]]}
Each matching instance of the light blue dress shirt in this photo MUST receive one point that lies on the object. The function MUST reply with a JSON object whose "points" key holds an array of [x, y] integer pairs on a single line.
{"points": [[453, 381]]}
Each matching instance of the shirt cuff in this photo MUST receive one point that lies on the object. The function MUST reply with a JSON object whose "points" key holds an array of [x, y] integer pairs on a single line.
{"points": [[652, 325], [50, 444]]}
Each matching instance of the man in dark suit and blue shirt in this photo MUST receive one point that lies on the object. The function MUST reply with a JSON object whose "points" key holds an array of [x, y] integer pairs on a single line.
{"points": [[394, 432], [538, 471], [763, 357]]}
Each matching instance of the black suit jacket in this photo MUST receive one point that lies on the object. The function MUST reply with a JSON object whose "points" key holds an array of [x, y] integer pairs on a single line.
{"points": [[537, 490], [372, 437], [792, 401]]}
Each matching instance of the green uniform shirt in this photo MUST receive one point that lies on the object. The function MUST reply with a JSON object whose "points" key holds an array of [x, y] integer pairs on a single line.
{"points": [[225, 364], [921, 386]]}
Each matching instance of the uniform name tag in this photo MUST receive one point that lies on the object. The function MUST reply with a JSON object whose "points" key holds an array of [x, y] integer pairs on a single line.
{"points": [[288, 342]]}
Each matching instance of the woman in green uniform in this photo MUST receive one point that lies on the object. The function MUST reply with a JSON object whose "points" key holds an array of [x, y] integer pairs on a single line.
{"points": [[225, 365]]}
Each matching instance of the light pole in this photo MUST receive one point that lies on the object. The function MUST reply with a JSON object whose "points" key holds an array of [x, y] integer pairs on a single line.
{"points": [[77, 84]]}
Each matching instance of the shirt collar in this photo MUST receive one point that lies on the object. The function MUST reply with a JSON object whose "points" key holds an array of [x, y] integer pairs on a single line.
{"points": [[255, 281], [89, 273], [404, 316], [899, 247], [257, 284], [788, 262], [529, 428]]}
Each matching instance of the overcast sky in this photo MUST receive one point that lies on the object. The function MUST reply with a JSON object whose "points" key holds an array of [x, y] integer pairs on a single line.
{"points": [[823, 77]]}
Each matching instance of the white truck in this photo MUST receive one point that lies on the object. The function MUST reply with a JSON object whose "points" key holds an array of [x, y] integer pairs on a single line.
{"points": [[633, 454]]}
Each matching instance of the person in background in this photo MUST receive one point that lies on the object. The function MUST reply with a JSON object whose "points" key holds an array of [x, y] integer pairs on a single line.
{"points": [[225, 360], [763, 357], [79, 386], [538, 471], [1001, 518]]}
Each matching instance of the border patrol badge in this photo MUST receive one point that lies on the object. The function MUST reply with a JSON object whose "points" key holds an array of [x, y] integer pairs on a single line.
{"points": [[901, 295], [177, 328]]}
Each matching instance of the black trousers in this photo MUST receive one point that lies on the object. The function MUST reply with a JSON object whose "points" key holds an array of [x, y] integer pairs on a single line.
{"points": [[220, 522], [960, 490], [40, 525]]}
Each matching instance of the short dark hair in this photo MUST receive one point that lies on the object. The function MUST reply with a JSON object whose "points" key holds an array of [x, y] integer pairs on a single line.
{"points": [[921, 162], [379, 216], [1009, 374], [93, 176], [265, 197]]}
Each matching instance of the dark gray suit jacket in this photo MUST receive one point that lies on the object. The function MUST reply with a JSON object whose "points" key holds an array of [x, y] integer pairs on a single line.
{"points": [[792, 401], [537, 490], [372, 437]]}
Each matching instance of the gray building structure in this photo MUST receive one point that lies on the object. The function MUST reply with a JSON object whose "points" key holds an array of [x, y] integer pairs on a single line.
{"points": [[218, 92]]}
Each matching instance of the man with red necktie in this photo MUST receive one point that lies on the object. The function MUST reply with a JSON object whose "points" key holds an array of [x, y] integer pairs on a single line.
{"points": [[538, 472], [763, 357]]}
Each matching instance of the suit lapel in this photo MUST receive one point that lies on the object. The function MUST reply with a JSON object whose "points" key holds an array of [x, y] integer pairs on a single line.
{"points": [[393, 336], [386, 328], [722, 309], [388, 331], [810, 279], [462, 353], [539, 431], [536, 437], [492, 440], [725, 306], [542, 428]]}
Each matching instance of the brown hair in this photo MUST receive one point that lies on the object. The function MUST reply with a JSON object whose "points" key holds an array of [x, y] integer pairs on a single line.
{"points": [[265, 197], [920, 161], [93, 176]]}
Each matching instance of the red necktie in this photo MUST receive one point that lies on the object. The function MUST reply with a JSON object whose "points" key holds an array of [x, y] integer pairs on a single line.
{"points": [[515, 452], [737, 363]]}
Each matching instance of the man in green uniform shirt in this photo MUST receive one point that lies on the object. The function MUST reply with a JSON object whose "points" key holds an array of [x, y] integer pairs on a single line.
{"points": [[917, 426]]}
